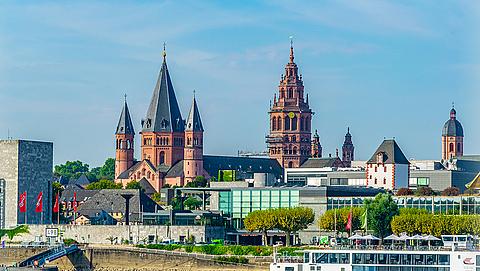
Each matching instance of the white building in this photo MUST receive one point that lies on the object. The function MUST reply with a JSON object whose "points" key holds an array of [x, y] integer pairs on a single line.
{"points": [[388, 168]]}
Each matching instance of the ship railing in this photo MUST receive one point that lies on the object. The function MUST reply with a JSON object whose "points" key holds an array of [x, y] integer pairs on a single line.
{"points": [[390, 247], [288, 259]]}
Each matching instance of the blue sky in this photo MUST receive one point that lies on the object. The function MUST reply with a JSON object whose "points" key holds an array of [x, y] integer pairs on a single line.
{"points": [[384, 68]]}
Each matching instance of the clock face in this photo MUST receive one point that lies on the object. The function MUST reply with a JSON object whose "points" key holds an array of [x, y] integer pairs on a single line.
{"points": [[291, 115]]}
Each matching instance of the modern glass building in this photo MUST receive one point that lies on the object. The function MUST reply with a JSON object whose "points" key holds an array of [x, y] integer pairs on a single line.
{"points": [[462, 205]]}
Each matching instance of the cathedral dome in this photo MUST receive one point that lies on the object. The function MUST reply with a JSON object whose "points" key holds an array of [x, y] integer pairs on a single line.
{"points": [[452, 127]]}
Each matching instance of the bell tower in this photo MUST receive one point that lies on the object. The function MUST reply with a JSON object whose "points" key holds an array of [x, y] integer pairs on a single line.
{"points": [[124, 141], [452, 137], [193, 153], [289, 140], [316, 147], [348, 149]]}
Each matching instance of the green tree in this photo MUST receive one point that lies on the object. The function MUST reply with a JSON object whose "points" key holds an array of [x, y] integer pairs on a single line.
{"points": [[104, 184], [11, 233], [291, 220], [192, 203], [327, 220], [157, 197], [133, 185], [71, 169], [262, 221], [199, 181], [380, 212], [451, 191], [107, 171]]}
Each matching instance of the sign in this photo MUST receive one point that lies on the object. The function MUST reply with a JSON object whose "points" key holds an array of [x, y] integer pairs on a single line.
{"points": [[51, 232], [291, 115]]}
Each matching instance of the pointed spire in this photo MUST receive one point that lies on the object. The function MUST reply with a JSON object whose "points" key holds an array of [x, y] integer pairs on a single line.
{"points": [[292, 57], [163, 114], [164, 53], [194, 122], [316, 134], [125, 125]]}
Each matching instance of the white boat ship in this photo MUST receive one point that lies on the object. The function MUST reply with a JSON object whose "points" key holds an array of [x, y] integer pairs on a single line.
{"points": [[456, 254]]}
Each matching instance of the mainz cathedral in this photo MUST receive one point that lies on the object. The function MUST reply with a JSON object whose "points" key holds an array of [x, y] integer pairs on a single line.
{"points": [[172, 147]]}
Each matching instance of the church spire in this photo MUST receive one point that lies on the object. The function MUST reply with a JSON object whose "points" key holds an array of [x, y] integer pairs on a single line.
{"points": [[125, 125], [292, 57], [194, 122], [163, 114]]}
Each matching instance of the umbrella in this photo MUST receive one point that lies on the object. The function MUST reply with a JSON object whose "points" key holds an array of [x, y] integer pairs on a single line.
{"points": [[416, 237], [370, 237], [431, 238], [403, 237], [392, 237], [355, 237]]}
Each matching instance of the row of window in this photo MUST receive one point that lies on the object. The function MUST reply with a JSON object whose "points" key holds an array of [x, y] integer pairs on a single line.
{"points": [[398, 268], [290, 124], [162, 141], [400, 259], [124, 144]]}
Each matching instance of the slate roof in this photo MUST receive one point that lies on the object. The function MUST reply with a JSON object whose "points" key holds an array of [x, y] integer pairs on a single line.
{"points": [[176, 170], [163, 114], [322, 162], [125, 125], [126, 173], [392, 153], [82, 194], [147, 187], [111, 200], [81, 181], [452, 127], [194, 122]]}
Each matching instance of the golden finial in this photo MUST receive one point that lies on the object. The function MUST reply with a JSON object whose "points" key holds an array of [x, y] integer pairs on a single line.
{"points": [[164, 50]]}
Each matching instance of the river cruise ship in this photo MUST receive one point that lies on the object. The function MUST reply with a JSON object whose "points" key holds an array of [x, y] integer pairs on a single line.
{"points": [[370, 258]]}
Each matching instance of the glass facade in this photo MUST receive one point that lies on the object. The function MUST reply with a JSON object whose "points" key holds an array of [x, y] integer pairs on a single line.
{"points": [[468, 205], [238, 203]]}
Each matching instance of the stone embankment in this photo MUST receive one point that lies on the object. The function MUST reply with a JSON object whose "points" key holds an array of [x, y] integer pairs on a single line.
{"points": [[130, 259]]}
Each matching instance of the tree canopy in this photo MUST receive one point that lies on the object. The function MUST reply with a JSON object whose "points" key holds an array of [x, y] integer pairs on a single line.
{"points": [[404, 191], [133, 185], [380, 212], [199, 181], [294, 219], [262, 221], [451, 191], [424, 191], [327, 220], [71, 169], [427, 223], [192, 203], [104, 184], [11, 233]]}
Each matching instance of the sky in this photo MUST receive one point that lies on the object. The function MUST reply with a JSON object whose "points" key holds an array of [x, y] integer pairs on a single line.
{"points": [[383, 68]]}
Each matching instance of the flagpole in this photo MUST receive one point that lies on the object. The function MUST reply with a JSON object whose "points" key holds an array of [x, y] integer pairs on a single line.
{"points": [[26, 208], [335, 225]]}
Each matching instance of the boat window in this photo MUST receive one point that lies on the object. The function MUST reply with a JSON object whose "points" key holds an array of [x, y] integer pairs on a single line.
{"points": [[370, 258], [394, 259], [478, 260], [462, 239], [382, 258], [345, 258], [448, 238], [406, 259], [357, 258], [332, 258], [306, 257], [320, 258], [431, 259], [289, 268], [444, 259], [418, 259]]}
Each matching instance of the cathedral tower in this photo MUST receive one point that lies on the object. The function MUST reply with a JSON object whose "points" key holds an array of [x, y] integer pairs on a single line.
{"points": [[290, 119], [348, 150], [124, 141], [193, 154], [452, 137], [163, 127]]}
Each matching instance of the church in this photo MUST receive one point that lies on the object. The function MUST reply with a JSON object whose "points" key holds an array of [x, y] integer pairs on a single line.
{"points": [[172, 147]]}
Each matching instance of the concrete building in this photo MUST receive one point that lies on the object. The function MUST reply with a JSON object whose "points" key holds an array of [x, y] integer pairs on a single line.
{"points": [[26, 166]]}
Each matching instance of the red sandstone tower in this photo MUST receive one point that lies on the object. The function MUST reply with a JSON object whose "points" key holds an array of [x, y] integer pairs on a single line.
{"points": [[163, 127], [124, 142], [316, 146], [348, 150], [193, 154], [290, 120], [452, 137]]}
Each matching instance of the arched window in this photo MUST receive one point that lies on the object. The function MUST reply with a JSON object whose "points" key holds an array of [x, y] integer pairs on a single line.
{"points": [[307, 124], [274, 123], [166, 141], [128, 144], [189, 140], [287, 123], [290, 164], [279, 123], [290, 93], [302, 123], [148, 175], [294, 150], [451, 147], [143, 172], [162, 157], [294, 123], [459, 147]]}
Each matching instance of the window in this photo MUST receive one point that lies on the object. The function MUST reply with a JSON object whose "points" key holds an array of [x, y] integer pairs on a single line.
{"points": [[375, 180], [287, 123], [294, 123], [384, 169], [279, 123], [380, 157], [450, 149], [274, 123], [162, 157], [459, 147], [384, 180]]}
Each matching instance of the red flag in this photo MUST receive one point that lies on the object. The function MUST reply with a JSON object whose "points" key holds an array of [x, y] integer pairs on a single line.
{"points": [[39, 204], [349, 221], [56, 206], [22, 204], [74, 201]]}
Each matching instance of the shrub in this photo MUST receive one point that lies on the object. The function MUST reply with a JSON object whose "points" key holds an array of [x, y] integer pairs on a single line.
{"points": [[451, 191], [69, 241], [424, 191], [404, 191], [231, 259]]}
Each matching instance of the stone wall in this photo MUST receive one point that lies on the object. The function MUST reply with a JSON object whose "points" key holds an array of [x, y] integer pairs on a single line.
{"points": [[126, 259], [25, 166], [103, 234]]}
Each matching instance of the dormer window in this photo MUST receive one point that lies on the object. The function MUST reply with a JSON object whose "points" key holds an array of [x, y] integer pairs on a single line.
{"points": [[380, 157]]}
